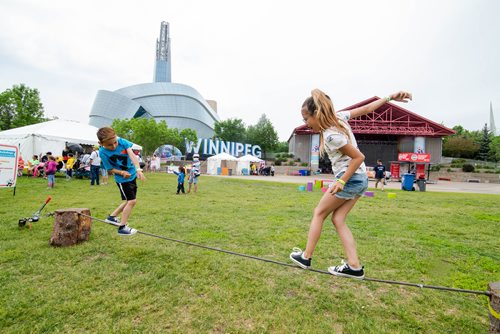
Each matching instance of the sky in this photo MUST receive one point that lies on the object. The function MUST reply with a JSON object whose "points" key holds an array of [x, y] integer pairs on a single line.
{"points": [[261, 57]]}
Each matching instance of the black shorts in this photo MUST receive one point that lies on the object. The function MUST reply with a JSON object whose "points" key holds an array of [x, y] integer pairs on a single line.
{"points": [[128, 190]]}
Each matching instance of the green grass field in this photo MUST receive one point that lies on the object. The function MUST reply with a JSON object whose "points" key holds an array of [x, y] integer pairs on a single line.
{"points": [[141, 284]]}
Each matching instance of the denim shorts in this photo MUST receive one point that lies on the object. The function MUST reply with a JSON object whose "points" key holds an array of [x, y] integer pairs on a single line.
{"points": [[356, 186]]}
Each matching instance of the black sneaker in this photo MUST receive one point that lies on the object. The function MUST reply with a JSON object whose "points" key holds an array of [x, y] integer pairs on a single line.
{"points": [[125, 230], [113, 220], [297, 257], [346, 271]]}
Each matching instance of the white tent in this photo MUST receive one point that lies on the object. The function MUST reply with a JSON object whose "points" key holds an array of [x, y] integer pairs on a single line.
{"points": [[244, 163], [50, 136], [221, 160]]}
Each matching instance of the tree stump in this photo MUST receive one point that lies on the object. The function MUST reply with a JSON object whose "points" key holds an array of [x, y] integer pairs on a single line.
{"points": [[70, 227], [494, 307]]}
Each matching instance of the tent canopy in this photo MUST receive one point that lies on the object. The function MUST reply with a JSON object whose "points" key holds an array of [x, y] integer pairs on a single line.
{"points": [[50, 136], [221, 160], [244, 163], [222, 156], [249, 158]]}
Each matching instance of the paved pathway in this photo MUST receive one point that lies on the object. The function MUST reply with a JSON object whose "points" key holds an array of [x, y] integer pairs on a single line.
{"points": [[439, 186]]}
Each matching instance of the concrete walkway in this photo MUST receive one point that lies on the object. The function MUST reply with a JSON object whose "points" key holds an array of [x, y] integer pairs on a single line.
{"points": [[439, 186]]}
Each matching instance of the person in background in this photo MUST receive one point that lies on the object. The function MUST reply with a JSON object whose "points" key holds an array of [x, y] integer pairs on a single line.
{"points": [[180, 179], [20, 165], [95, 166], [195, 173], [147, 167], [104, 174], [379, 174], [60, 163], [32, 165], [118, 158], [69, 166], [50, 171]]}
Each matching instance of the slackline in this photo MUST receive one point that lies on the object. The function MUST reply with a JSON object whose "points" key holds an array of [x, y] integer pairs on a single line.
{"points": [[422, 286]]}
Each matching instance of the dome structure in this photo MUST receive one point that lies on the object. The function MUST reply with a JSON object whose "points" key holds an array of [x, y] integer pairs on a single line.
{"points": [[179, 105]]}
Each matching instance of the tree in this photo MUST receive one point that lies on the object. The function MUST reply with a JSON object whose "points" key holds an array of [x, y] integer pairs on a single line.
{"points": [[263, 134], [484, 144], [460, 147], [20, 106], [230, 130], [142, 131], [151, 134], [495, 149], [282, 146], [186, 135]]}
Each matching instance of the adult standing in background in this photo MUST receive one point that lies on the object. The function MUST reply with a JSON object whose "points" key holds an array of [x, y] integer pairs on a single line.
{"points": [[95, 166], [379, 174]]}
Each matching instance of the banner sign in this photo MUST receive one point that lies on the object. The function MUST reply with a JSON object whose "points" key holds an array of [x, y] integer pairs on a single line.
{"points": [[213, 147], [414, 157], [8, 165]]}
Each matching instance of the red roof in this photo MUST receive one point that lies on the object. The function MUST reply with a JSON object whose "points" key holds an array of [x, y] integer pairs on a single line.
{"points": [[389, 119]]}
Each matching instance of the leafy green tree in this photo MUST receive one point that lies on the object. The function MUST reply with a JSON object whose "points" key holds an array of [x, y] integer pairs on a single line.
{"points": [[151, 134], [186, 135], [282, 146], [230, 130], [20, 106], [495, 149], [263, 134], [484, 143], [460, 147], [142, 131]]}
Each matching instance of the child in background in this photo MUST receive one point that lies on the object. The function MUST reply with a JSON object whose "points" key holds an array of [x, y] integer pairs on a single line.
{"points": [[337, 140], [20, 165], [69, 166], [180, 179], [194, 174], [118, 158], [50, 171]]}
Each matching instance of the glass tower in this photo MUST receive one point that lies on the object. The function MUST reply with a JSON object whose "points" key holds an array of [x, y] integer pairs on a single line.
{"points": [[163, 60]]}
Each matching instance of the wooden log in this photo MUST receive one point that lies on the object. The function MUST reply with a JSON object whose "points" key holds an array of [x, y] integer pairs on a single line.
{"points": [[494, 307], [70, 227]]}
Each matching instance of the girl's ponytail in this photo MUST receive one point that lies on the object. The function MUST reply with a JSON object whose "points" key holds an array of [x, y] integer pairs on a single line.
{"points": [[320, 106]]}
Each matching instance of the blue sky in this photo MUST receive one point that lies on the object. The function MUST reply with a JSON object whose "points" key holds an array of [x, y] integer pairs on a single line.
{"points": [[261, 56]]}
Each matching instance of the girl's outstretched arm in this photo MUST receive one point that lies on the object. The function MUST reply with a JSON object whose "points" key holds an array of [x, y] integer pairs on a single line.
{"points": [[371, 107]]}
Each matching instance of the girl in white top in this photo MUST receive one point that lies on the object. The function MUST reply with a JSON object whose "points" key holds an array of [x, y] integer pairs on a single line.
{"points": [[337, 140]]}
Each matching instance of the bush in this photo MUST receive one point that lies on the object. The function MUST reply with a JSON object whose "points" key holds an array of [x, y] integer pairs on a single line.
{"points": [[435, 168], [277, 162], [449, 170], [467, 168], [458, 161], [304, 164]]}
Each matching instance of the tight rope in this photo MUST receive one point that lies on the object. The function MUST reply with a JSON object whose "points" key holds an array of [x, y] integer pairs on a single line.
{"points": [[422, 286]]}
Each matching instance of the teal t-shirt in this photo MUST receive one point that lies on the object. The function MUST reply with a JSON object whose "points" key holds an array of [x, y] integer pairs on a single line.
{"points": [[118, 159]]}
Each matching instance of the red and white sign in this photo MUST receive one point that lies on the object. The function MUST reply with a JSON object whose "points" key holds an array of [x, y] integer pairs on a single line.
{"points": [[414, 157], [8, 165]]}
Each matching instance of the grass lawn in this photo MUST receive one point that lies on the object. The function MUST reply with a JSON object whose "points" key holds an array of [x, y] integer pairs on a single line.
{"points": [[144, 284]]}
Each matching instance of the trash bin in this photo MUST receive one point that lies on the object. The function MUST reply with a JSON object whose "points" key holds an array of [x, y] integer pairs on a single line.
{"points": [[407, 182], [230, 172], [421, 184]]}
